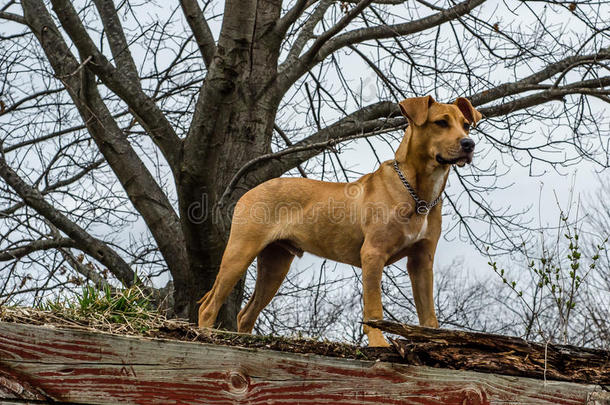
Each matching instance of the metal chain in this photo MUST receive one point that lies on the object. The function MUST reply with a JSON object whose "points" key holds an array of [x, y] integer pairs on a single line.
{"points": [[422, 206]]}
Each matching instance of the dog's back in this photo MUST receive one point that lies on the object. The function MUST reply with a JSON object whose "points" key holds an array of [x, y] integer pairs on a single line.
{"points": [[310, 215]]}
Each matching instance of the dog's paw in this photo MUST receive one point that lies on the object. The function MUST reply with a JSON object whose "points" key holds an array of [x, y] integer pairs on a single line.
{"points": [[377, 340], [383, 343]]}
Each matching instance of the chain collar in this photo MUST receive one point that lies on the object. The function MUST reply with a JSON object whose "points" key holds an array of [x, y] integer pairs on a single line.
{"points": [[422, 207]]}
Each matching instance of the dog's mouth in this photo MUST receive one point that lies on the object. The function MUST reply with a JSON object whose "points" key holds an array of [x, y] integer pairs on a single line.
{"points": [[459, 160]]}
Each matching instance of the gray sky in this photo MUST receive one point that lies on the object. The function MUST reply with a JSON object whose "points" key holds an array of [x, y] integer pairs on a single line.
{"points": [[537, 190]]}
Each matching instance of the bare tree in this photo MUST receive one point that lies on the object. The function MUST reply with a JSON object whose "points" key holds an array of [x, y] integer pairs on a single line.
{"points": [[119, 117], [596, 302], [556, 291]]}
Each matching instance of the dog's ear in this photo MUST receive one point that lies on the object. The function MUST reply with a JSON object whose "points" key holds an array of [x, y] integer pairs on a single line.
{"points": [[470, 113], [415, 109]]}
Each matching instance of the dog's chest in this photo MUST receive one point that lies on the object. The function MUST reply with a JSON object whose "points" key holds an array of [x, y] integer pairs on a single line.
{"points": [[412, 233], [415, 230]]}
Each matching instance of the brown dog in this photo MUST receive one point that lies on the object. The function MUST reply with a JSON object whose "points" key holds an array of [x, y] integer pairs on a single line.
{"points": [[369, 223]]}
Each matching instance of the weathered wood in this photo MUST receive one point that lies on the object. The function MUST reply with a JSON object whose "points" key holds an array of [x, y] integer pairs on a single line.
{"points": [[13, 385], [498, 354], [599, 398], [78, 366]]}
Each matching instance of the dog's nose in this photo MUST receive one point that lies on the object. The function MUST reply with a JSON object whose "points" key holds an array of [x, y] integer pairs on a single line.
{"points": [[467, 144]]}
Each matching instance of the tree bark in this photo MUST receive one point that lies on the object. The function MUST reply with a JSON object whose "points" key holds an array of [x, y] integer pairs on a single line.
{"points": [[242, 130], [491, 353], [233, 123]]}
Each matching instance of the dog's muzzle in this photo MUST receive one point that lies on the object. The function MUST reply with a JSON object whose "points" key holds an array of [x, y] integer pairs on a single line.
{"points": [[466, 155], [460, 160]]}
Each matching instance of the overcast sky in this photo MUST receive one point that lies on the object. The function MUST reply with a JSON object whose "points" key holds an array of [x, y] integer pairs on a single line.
{"points": [[535, 189]]}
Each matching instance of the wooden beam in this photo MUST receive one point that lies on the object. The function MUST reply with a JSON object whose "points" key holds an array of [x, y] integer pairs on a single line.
{"points": [[13, 385], [86, 367], [498, 354]]}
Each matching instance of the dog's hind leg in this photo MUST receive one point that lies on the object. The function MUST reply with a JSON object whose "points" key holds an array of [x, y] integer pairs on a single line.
{"points": [[235, 261], [273, 263]]}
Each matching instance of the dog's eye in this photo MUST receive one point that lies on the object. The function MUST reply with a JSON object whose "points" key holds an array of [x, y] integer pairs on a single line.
{"points": [[442, 123], [466, 127]]}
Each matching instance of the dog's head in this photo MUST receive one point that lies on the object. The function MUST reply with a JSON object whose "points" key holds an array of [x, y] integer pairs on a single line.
{"points": [[439, 131]]}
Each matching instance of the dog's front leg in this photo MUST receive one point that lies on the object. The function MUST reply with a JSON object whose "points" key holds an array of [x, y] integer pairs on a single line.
{"points": [[419, 265], [372, 268]]}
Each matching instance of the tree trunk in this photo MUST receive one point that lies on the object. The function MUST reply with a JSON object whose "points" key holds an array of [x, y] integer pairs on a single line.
{"points": [[232, 124], [200, 278], [242, 131]]}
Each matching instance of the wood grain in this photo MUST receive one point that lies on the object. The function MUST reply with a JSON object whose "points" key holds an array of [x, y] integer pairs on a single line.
{"points": [[77, 366], [498, 354]]}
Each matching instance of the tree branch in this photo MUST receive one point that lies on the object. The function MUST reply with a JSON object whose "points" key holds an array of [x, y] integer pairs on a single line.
{"points": [[4, 15], [116, 38], [291, 16], [86, 271], [33, 96], [377, 114], [90, 245], [141, 188], [324, 46], [335, 29], [201, 30], [305, 34], [509, 89], [380, 116], [359, 124], [235, 40], [391, 2], [556, 93], [52, 187], [147, 112], [62, 132], [288, 143], [313, 148], [34, 246]]}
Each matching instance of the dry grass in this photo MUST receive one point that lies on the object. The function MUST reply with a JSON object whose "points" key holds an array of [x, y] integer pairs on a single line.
{"points": [[128, 312]]}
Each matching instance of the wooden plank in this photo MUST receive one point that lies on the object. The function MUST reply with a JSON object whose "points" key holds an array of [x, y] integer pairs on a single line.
{"points": [[77, 366], [498, 354], [14, 385], [599, 398]]}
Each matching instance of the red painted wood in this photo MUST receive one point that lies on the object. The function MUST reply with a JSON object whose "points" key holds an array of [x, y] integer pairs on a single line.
{"points": [[98, 368]]}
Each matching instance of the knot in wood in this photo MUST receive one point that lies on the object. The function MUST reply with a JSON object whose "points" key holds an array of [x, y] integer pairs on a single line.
{"points": [[238, 383], [474, 396]]}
